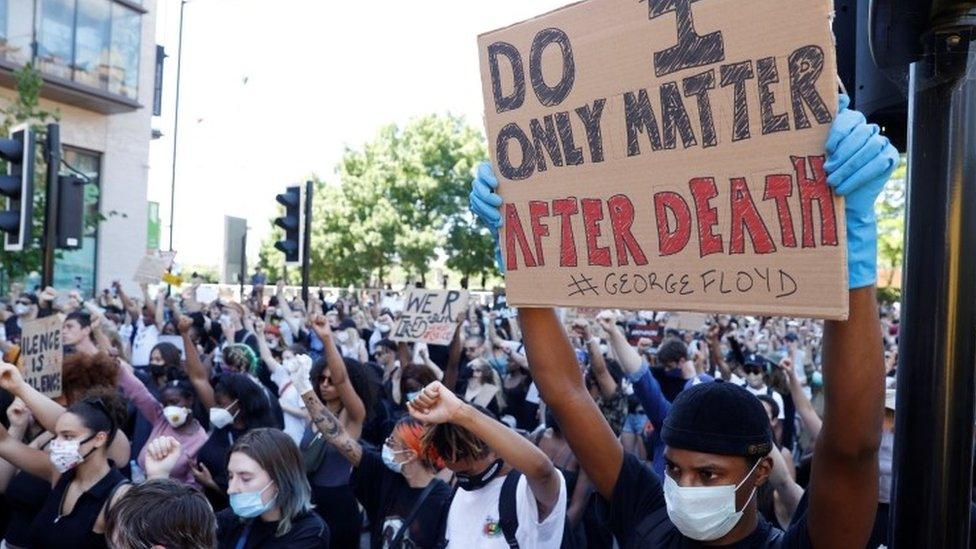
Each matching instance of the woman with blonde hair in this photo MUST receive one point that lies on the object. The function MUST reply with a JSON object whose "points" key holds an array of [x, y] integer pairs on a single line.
{"points": [[484, 387]]}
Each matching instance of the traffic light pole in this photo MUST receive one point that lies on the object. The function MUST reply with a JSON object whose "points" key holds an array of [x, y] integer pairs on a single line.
{"points": [[933, 459], [243, 274], [52, 150], [306, 241]]}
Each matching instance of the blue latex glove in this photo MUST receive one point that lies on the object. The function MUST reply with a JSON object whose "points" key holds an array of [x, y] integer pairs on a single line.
{"points": [[486, 204], [859, 162]]}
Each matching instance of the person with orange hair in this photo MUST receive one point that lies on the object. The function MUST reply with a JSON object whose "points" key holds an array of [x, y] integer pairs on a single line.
{"points": [[397, 487]]}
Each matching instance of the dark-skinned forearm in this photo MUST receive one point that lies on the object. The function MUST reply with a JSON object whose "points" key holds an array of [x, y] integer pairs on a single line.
{"points": [[844, 480], [556, 373]]}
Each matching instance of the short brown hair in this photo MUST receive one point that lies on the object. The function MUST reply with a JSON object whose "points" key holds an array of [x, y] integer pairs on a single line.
{"points": [[452, 443], [161, 512]]}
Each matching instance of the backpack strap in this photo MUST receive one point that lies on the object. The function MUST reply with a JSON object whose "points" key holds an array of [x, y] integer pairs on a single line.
{"points": [[442, 536], [398, 538], [508, 508]]}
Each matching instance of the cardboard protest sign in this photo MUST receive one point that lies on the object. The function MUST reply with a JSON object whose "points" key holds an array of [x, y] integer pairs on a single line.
{"points": [[688, 322], [207, 294], [41, 355], [430, 316], [152, 267], [668, 155]]}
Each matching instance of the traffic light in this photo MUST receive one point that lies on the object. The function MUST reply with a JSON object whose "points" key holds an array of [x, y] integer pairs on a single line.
{"points": [[291, 222], [872, 90], [18, 187], [71, 212]]}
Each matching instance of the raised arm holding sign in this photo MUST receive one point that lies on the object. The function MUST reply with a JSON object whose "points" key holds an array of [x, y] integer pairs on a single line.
{"points": [[716, 434], [639, 166]]}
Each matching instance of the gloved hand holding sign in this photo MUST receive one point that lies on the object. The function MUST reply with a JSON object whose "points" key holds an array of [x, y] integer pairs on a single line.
{"points": [[486, 204], [859, 162]]}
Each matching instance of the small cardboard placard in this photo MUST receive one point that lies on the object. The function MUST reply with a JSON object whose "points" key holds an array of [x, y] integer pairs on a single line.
{"points": [[207, 294], [430, 316], [687, 322], [152, 267], [668, 155], [41, 354]]}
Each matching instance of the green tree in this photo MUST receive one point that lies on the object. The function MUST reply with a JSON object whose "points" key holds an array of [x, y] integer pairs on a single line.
{"points": [[421, 174], [891, 224], [401, 201]]}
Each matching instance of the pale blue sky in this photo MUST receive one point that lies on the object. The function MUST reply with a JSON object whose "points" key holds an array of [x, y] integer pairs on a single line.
{"points": [[273, 91]]}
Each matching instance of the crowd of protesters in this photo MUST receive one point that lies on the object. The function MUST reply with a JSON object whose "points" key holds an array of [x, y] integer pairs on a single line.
{"points": [[275, 422]]}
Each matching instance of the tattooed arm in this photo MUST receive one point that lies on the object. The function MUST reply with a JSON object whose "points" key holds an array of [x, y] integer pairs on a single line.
{"points": [[327, 424]]}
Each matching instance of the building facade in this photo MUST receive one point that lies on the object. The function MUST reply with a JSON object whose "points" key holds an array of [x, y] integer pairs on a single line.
{"points": [[97, 58]]}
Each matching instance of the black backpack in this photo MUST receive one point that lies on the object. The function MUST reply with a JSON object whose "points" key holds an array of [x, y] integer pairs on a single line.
{"points": [[507, 515]]}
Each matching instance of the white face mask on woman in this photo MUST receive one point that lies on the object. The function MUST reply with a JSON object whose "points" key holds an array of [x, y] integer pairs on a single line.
{"points": [[176, 415], [221, 417], [704, 513], [66, 454]]}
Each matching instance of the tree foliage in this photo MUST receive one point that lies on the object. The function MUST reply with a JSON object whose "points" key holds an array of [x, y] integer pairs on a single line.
{"points": [[891, 224], [401, 201]]}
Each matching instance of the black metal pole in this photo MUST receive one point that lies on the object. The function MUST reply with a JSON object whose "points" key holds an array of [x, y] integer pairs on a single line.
{"points": [[243, 272], [176, 125], [306, 240], [934, 418], [52, 155]]}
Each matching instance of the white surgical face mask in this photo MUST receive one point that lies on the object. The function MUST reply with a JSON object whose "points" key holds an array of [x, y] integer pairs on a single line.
{"points": [[343, 336], [20, 309], [220, 417], [704, 513], [176, 415], [384, 328]]}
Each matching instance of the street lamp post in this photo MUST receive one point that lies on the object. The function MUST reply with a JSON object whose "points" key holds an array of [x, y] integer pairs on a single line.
{"points": [[176, 125]]}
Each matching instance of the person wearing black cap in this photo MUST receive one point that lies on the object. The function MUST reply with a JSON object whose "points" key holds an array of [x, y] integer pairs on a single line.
{"points": [[717, 435]]}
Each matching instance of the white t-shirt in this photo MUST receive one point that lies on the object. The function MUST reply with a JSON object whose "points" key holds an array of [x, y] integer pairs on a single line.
{"points": [[294, 426], [146, 338], [473, 518], [776, 396]]}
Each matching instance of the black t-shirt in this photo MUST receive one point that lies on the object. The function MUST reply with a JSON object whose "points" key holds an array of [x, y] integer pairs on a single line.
{"points": [[639, 517], [307, 531], [388, 500]]}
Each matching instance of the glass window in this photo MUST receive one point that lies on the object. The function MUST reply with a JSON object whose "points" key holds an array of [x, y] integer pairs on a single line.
{"points": [[17, 29], [123, 74], [92, 43], [55, 36], [76, 268]]}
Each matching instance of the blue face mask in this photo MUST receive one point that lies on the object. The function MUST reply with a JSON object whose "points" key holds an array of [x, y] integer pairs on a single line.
{"points": [[413, 394], [249, 504], [389, 460], [816, 379]]}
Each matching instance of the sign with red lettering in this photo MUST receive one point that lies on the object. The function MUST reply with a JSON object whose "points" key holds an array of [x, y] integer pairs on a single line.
{"points": [[668, 155], [41, 354], [430, 316]]}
